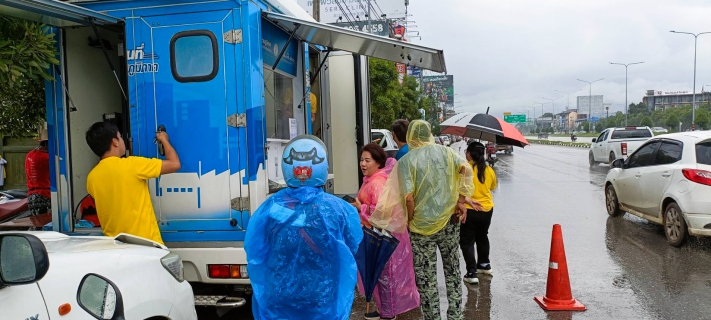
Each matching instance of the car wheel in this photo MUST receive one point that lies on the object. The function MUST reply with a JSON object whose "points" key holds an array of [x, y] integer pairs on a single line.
{"points": [[591, 159], [674, 225], [612, 158], [611, 201]]}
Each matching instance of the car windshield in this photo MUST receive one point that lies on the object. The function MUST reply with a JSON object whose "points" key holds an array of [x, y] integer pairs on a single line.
{"points": [[631, 133], [703, 153]]}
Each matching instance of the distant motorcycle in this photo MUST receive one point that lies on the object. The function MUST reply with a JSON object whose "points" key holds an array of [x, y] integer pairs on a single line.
{"points": [[491, 154], [574, 138]]}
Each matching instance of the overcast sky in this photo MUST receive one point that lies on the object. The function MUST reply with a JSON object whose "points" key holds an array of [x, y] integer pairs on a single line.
{"points": [[508, 54]]}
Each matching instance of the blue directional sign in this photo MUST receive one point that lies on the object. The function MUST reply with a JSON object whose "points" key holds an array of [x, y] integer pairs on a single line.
{"points": [[594, 119]]}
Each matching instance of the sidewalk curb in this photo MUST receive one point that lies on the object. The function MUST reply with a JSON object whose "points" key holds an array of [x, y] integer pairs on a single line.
{"points": [[584, 145]]}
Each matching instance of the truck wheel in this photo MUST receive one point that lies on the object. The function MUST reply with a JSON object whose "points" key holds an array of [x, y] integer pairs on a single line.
{"points": [[611, 201], [612, 158], [674, 225], [591, 159]]}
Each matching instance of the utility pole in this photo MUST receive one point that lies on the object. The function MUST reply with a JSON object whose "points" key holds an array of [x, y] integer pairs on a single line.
{"points": [[317, 9]]}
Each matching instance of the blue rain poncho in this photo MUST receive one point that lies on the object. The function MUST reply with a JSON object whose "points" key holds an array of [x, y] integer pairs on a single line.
{"points": [[300, 245]]}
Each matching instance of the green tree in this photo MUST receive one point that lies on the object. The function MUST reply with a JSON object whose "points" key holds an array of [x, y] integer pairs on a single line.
{"points": [[391, 101], [702, 120], [672, 122], [26, 54], [639, 108], [647, 122]]}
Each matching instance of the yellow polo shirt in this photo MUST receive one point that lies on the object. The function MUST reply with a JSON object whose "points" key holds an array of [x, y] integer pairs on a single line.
{"points": [[482, 191], [119, 187]]}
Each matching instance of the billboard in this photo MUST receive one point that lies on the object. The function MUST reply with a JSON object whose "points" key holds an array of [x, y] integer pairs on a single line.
{"points": [[587, 105], [440, 87], [333, 11]]}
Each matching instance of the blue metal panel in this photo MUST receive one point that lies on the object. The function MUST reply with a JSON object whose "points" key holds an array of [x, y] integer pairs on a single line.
{"points": [[307, 94], [273, 42], [201, 225], [57, 143], [254, 89], [158, 7], [195, 236]]}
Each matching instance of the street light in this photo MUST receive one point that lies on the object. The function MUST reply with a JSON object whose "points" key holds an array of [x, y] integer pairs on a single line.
{"points": [[568, 93], [590, 98], [553, 107], [693, 103], [626, 105]]}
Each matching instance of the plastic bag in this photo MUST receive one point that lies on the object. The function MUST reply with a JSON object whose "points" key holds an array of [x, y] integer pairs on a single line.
{"points": [[300, 245]]}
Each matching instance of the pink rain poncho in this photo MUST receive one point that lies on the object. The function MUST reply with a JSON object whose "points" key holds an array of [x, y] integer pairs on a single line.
{"points": [[396, 291]]}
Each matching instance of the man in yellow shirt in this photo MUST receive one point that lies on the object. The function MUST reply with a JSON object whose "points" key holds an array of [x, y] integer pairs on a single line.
{"points": [[119, 185]]}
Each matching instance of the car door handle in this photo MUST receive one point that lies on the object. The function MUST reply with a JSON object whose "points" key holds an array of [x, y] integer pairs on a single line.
{"points": [[666, 174], [638, 175]]}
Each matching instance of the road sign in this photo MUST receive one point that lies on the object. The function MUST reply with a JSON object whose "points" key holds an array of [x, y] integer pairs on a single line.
{"points": [[515, 118], [507, 114], [594, 119]]}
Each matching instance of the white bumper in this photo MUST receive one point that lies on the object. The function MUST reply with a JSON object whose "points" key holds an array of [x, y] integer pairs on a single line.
{"points": [[195, 261]]}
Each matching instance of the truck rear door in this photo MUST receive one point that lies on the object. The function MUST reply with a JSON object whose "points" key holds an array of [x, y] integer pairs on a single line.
{"points": [[183, 74]]}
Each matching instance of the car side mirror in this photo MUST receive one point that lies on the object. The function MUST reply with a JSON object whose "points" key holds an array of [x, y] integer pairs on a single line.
{"points": [[23, 259], [100, 298], [594, 140], [619, 163]]}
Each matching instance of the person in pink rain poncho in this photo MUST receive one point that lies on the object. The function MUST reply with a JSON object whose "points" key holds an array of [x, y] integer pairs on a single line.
{"points": [[396, 291]]}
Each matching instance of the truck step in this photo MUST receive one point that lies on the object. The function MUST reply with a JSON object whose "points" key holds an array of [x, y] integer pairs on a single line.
{"points": [[219, 301]]}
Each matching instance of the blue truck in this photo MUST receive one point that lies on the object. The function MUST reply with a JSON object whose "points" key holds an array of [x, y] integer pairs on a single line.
{"points": [[232, 81]]}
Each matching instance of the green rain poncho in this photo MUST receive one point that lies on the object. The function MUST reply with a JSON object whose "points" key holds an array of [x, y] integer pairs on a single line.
{"points": [[435, 175]]}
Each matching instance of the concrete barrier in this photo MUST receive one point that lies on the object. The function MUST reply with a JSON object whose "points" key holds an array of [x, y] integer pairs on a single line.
{"points": [[585, 145]]}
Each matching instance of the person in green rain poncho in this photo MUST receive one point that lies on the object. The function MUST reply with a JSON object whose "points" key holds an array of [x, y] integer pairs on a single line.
{"points": [[427, 193]]}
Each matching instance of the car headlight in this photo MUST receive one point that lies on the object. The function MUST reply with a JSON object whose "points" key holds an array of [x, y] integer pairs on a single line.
{"points": [[174, 265]]}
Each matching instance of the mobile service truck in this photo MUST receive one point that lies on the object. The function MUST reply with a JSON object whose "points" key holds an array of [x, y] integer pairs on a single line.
{"points": [[231, 81]]}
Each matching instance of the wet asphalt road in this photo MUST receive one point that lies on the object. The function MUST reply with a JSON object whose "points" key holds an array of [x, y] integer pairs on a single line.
{"points": [[620, 268]]}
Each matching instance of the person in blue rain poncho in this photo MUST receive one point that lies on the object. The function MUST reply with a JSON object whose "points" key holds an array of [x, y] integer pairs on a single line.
{"points": [[301, 243]]}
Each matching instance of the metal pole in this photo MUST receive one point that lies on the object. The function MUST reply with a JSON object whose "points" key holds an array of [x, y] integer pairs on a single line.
{"points": [[693, 99], [627, 106], [369, 28], [317, 10], [693, 103]]}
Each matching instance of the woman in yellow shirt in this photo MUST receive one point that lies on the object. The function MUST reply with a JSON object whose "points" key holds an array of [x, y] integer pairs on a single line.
{"points": [[475, 229]]}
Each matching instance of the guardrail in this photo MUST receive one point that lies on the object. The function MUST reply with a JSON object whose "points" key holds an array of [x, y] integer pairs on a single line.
{"points": [[560, 143]]}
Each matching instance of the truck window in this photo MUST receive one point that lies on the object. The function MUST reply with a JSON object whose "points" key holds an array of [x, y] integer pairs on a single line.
{"points": [[631, 134], [379, 138], [703, 153], [279, 100], [194, 56]]}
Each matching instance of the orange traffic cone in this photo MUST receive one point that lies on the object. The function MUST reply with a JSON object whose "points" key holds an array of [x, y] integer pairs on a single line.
{"points": [[558, 295]]}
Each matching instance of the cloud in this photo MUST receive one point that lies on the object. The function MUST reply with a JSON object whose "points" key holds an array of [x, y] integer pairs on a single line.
{"points": [[509, 54]]}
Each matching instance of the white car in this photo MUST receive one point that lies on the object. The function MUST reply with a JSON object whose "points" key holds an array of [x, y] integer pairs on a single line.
{"points": [[659, 130], [385, 139], [49, 275], [666, 181]]}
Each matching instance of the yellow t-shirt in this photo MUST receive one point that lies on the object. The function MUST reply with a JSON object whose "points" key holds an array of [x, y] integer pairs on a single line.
{"points": [[123, 203], [314, 103], [482, 191]]}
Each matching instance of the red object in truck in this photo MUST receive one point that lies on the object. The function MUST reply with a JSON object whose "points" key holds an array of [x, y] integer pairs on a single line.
{"points": [[13, 208]]}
